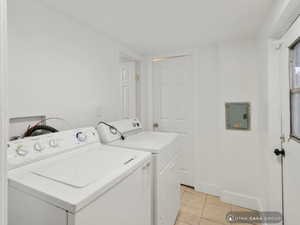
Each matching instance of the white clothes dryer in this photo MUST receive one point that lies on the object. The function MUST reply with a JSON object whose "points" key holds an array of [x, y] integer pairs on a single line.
{"points": [[164, 148]]}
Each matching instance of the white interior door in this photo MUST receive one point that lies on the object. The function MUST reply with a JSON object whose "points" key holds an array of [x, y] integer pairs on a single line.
{"points": [[128, 90], [173, 107], [290, 81]]}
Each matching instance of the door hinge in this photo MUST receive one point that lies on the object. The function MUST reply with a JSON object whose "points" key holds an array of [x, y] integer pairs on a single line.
{"points": [[137, 76]]}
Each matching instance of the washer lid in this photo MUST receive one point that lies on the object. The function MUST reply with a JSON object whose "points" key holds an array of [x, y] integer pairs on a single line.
{"points": [[154, 142], [54, 180], [84, 169]]}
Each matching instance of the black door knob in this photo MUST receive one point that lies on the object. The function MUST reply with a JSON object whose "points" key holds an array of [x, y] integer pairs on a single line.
{"points": [[279, 152]]}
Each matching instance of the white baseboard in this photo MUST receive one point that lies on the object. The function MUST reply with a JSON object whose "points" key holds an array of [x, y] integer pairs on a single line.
{"points": [[234, 198], [185, 178], [211, 189], [241, 200]]}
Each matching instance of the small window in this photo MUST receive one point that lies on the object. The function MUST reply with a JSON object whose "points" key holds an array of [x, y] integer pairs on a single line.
{"points": [[295, 90]]}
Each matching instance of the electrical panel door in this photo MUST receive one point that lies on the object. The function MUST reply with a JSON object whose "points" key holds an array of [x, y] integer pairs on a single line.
{"points": [[237, 116]]}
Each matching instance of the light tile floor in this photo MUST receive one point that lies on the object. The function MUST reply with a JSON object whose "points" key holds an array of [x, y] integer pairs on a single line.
{"points": [[198, 208]]}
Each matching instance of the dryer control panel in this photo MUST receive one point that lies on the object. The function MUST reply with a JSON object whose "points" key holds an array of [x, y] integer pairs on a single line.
{"points": [[124, 126], [31, 149]]}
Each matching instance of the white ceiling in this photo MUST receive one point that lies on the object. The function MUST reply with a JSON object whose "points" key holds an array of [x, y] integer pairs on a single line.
{"points": [[156, 26]]}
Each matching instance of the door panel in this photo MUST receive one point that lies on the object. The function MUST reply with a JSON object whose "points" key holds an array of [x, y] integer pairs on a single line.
{"points": [[173, 107], [291, 163], [128, 90]]}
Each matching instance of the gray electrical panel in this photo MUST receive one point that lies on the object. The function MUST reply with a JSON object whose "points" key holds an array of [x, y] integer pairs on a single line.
{"points": [[237, 116]]}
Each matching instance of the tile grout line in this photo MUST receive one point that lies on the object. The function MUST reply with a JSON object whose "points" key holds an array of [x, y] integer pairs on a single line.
{"points": [[203, 207], [205, 203], [208, 219]]}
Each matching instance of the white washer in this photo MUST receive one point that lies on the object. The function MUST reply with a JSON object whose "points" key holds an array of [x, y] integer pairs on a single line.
{"points": [[70, 178], [165, 150]]}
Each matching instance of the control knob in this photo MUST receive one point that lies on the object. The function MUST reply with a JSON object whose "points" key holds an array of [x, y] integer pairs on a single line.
{"points": [[38, 147], [21, 152], [81, 137], [53, 143]]}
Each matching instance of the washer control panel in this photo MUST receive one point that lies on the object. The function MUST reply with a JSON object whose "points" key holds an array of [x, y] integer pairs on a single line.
{"points": [[31, 149]]}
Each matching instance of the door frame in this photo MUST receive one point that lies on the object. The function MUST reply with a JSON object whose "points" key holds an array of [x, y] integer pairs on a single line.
{"points": [[194, 55], [274, 126], [290, 38], [279, 25], [3, 112]]}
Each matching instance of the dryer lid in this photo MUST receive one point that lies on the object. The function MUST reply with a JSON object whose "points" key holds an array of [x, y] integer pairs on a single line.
{"points": [[84, 169]]}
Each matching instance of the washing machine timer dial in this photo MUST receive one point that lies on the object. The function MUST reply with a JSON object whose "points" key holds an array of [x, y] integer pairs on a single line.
{"points": [[81, 137]]}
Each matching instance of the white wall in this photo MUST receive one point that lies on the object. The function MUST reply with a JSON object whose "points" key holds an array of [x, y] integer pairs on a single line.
{"points": [[229, 163], [59, 67], [207, 117], [240, 151], [247, 171]]}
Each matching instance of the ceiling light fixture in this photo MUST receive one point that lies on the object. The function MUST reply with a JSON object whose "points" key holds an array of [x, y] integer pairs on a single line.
{"points": [[166, 58]]}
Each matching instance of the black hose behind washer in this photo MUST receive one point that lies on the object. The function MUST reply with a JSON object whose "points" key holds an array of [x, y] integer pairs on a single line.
{"points": [[39, 130]]}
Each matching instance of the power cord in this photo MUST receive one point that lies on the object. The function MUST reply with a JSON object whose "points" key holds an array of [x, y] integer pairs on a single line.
{"points": [[112, 129]]}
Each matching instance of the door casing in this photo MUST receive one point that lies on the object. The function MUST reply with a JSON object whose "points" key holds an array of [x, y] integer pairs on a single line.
{"points": [[3, 112], [291, 145]]}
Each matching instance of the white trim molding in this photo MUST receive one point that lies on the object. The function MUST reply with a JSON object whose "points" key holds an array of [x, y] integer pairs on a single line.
{"points": [[211, 189], [241, 200], [234, 198], [150, 112], [3, 112]]}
